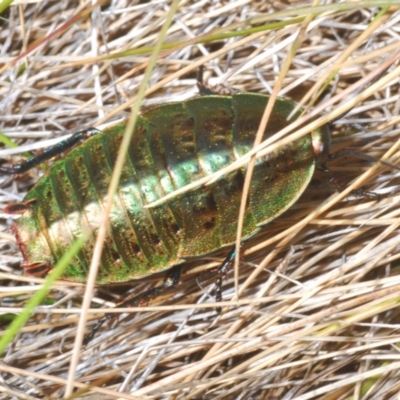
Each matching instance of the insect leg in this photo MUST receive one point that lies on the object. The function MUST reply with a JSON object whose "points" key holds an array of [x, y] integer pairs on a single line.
{"points": [[221, 274], [366, 157], [171, 279], [50, 152], [335, 184], [338, 186], [205, 89]]}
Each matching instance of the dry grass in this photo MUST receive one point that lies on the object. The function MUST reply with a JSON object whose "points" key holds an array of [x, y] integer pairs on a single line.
{"points": [[318, 315]]}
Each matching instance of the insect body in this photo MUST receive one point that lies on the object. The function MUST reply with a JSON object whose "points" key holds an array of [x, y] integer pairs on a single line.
{"points": [[173, 145]]}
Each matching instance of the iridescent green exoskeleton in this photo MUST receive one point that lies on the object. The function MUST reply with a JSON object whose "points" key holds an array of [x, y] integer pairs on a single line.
{"points": [[173, 145]]}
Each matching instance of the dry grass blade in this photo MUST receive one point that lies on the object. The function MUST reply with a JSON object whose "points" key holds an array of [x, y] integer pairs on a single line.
{"points": [[318, 308]]}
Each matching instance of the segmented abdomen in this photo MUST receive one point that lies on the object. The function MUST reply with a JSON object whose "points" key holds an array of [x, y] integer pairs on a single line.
{"points": [[173, 145]]}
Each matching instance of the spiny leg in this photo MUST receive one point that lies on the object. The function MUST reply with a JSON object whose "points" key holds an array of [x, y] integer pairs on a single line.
{"points": [[171, 279], [50, 152], [221, 274], [143, 299], [338, 186]]}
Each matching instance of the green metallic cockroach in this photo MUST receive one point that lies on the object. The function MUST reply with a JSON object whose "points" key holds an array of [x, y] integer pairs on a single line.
{"points": [[173, 144]]}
